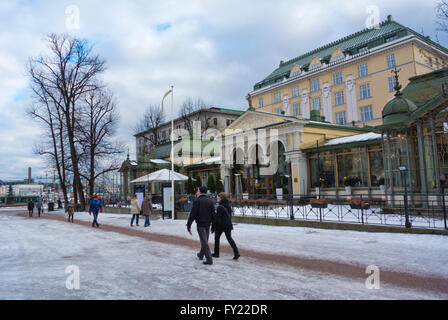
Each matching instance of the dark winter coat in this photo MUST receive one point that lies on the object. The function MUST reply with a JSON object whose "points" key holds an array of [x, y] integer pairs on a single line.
{"points": [[30, 205], [223, 220], [203, 212], [146, 207]]}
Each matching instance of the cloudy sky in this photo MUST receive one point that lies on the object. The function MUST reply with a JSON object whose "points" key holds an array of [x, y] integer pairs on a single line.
{"points": [[211, 49]]}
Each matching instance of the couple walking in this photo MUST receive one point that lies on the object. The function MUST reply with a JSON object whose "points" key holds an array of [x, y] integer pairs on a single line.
{"points": [[145, 209], [203, 212]]}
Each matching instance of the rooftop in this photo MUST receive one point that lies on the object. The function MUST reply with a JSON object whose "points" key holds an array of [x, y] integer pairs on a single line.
{"points": [[369, 37]]}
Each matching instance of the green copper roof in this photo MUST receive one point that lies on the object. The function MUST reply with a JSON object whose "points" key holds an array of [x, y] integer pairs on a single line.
{"points": [[399, 109], [349, 45]]}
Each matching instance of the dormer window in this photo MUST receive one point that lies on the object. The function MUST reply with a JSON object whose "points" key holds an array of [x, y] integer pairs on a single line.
{"points": [[295, 74], [315, 66], [338, 58]]}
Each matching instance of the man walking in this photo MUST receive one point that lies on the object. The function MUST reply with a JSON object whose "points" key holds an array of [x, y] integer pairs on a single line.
{"points": [[202, 212], [95, 206]]}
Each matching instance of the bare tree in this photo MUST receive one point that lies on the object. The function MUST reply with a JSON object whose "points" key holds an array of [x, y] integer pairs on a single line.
{"points": [[193, 110], [65, 75], [53, 144], [96, 126], [149, 126]]}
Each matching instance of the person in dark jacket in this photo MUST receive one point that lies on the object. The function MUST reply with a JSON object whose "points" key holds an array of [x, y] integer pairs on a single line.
{"points": [[95, 207], [203, 212], [146, 209], [223, 224], [30, 208]]}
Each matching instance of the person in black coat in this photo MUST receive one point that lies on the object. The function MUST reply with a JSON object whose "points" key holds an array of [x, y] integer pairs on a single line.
{"points": [[203, 212], [30, 208], [223, 224]]}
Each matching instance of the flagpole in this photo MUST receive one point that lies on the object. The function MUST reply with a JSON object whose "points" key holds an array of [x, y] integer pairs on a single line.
{"points": [[172, 153]]}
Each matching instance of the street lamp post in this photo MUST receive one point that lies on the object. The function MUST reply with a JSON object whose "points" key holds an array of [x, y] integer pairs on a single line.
{"points": [[291, 201], [403, 170], [443, 185]]}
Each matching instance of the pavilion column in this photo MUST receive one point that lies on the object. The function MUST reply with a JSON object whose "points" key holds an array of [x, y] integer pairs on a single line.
{"points": [[389, 165], [421, 158], [268, 185], [249, 191], [435, 155]]}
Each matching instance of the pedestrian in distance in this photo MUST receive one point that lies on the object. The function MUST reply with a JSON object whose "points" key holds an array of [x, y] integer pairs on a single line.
{"points": [[203, 212], [135, 210], [147, 209], [70, 209], [39, 207], [30, 208], [95, 208], [223, 224]]}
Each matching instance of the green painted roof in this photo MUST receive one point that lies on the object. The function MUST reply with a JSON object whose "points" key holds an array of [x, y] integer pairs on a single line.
{"points": [[227, 110], [398, 109], [349, 45], [163, 151], [428, 93]]}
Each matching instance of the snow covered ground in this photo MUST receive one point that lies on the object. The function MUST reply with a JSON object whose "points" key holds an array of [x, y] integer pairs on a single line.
{"points": [[34, 255]]}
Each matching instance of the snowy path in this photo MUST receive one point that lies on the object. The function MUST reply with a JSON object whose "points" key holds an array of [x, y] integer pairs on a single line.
{"points": [[35, 252]]}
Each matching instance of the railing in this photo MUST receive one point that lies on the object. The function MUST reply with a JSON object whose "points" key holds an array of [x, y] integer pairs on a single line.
{"points": [[424, 211]]}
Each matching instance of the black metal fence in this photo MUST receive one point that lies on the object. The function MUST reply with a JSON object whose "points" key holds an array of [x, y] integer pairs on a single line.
{"points": [[423, 210]]}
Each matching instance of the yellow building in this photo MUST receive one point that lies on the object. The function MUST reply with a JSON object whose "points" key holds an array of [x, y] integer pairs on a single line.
{"points": [[349, 80]]}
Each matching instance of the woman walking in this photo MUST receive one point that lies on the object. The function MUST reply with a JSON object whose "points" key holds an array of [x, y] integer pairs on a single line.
{"points": [[223, 224], [135, 210], [71, 210], [146, 209]]}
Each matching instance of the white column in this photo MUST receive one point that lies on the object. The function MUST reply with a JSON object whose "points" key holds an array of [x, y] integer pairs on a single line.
{"points": [[305, 100], [352, 106], [299, 172], [326, 94]]}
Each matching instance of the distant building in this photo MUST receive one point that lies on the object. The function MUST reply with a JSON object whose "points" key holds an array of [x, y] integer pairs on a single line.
{"points": [[217, 118]]}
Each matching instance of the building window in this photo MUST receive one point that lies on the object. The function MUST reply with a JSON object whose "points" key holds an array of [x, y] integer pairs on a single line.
{"points": [[363, 49], [295, 74], [260, 102], [395, 37], [278, 111], [277, 97], [296, 109], [229, 122], [215, 121], [337, 78], [315, 66], [315, 85], [363, 70], [316, 104], [364, 91], [338, 58], [392, 82], [341, 117], [366, 113], [339, 98], [391, 61], [295, 91]]}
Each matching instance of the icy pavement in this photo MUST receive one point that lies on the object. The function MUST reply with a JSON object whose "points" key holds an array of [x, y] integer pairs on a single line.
{"points": [[34, 255]]}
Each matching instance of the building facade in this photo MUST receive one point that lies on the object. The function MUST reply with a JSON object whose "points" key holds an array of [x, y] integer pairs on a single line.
{"points": [[348, 80], [214, 118]]}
